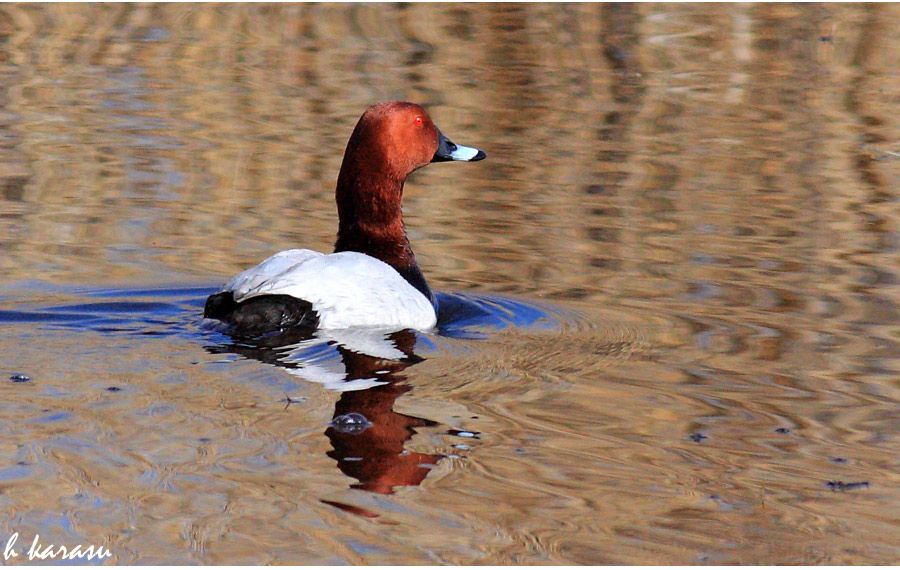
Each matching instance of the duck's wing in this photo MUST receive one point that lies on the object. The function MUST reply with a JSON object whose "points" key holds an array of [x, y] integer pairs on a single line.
{"points": [[346, 289], [244, 284]]}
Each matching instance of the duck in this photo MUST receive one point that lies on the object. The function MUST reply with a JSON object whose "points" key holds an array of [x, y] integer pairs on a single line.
{"points": [[371, 279]]}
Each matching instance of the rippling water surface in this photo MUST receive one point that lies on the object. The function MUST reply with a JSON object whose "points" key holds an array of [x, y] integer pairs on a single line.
{"points": [[673, 334]]}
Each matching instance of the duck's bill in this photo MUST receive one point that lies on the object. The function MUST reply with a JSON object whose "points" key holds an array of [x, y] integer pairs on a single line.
{"points": [[448, 150]]}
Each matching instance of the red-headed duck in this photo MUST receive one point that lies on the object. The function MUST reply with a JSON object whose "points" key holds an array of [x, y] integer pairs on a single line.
{"points": [[372, 278]]}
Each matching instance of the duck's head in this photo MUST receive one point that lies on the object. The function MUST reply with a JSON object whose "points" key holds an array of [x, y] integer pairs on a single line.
{"points": [[398, 137]]}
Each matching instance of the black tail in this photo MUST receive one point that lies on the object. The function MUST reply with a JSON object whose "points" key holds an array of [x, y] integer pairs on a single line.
{"points": [[260, 315]]}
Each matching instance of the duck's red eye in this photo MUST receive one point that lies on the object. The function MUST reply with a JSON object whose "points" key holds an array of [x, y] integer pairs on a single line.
{"points": [[418, 121]]}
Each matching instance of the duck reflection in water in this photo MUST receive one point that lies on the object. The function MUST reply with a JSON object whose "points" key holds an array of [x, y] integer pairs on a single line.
{"points": [[375, 456], [366, 434]]}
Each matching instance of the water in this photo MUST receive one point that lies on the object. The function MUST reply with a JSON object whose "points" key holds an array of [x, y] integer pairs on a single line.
{"points": [[673, 335]]}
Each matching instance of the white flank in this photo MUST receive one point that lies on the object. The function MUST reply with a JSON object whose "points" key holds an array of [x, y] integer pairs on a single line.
{"points": [[346, 289]]}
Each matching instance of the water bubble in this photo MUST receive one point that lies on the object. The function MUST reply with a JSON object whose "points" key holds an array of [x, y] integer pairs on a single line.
{"points": [[351, 423], [466, 434]]}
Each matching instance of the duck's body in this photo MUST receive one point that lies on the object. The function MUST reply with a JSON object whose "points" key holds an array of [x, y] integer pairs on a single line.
{"points": [[343, 290], [372, 279]]}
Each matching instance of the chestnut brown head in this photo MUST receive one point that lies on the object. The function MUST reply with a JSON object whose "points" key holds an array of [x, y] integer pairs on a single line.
{"points": [[398, 137]]}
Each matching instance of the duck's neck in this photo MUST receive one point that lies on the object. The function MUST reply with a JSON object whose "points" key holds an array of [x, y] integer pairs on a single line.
{"points": [[371, 222]]}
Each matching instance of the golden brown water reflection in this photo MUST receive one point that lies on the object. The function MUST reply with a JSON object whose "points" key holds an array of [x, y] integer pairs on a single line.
{"points": [[706, 193]]}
